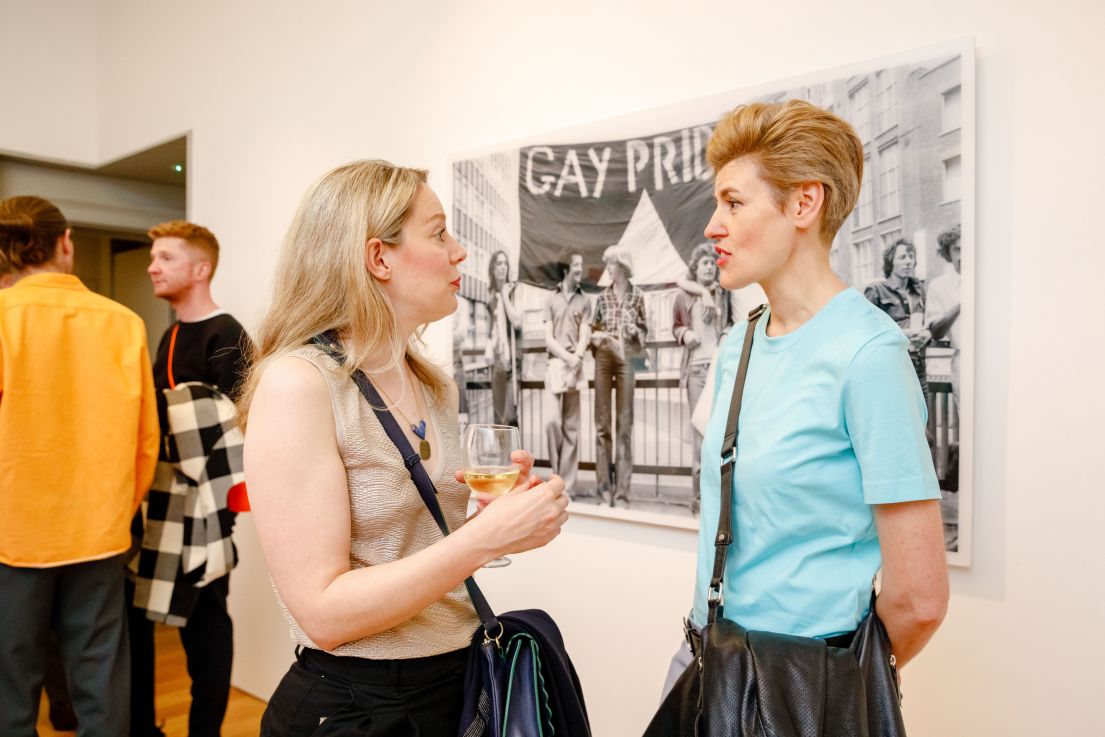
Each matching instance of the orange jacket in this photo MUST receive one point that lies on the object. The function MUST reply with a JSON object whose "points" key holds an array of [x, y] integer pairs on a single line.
{"points": [[78, 422]]}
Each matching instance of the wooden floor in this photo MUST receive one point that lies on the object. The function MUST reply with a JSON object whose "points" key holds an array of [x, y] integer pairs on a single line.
{"points": [[243, 715]]}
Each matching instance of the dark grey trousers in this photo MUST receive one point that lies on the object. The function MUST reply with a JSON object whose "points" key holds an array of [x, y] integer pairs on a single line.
{"points": [[613, 374], [563, 436], [696, 382], [83, 604]]}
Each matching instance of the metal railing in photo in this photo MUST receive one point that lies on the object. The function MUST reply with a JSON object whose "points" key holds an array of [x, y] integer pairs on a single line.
{"points": [[662, 433], [944, 429], [943, 420]]}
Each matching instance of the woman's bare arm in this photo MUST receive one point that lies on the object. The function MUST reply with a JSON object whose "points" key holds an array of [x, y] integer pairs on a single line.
{"points": [[300, 503], [914, 595]]}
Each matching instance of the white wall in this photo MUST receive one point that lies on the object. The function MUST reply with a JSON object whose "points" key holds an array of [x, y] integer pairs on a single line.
{"points": [[275, 93], [48, 102]]}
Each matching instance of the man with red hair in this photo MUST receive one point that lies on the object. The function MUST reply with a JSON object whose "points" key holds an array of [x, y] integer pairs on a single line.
{"points": [[184, 579]]}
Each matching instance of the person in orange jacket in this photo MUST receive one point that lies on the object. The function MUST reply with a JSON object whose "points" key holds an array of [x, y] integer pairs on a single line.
{"points": [[78, 446]]}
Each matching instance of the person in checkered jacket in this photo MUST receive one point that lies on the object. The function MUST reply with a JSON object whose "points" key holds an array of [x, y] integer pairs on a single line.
{"points": [[201, 358]]}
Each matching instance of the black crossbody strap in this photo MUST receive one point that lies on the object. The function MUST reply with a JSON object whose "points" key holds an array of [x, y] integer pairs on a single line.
{"points": [[728, 463], [329, 343]]}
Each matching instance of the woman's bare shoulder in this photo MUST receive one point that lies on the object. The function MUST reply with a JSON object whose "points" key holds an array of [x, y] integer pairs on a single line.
{"points": [[291, 386]]}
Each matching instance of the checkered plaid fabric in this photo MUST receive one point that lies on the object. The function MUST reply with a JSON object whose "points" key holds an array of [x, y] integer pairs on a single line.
{"points": [[612, 312], [187, 541]]}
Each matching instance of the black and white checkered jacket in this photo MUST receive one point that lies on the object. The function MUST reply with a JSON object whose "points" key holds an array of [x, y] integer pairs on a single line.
{"points": [[187, 542]]}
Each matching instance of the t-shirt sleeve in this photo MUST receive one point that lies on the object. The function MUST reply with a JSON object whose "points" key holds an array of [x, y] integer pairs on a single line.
{"points": [[885, 416]]}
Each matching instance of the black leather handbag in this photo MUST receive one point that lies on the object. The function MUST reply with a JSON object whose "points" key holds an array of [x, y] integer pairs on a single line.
{"points": [[745, 683], [519, 681]]}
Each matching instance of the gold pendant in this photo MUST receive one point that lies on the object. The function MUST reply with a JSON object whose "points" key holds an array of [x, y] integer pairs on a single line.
{"points": [[424, 450]]}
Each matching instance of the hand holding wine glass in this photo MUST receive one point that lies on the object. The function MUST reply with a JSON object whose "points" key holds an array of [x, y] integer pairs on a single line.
{"points": [[526, 479], [494, 465], [488, 468]]}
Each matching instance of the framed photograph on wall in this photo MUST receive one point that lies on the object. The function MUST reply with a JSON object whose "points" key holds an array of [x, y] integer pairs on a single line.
{"points": [[598, 378]]}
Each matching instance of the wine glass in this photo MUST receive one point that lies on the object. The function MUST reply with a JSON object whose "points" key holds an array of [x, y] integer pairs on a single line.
{"points": [[487, 464]]}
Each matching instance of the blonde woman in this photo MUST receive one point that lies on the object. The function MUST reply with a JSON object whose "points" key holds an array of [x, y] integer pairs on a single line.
{"points": [[373, 593]]}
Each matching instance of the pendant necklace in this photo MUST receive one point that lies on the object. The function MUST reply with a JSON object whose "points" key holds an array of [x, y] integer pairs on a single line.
{"points": [[418, 429]]}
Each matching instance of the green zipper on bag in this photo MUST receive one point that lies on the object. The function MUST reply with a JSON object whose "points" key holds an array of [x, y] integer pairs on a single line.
{"points": [[541, 694]]}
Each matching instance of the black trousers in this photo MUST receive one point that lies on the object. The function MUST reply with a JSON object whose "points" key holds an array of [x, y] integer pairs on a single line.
{"points": [[56, 682], [325, 695], [208, 641], [82, 603]]}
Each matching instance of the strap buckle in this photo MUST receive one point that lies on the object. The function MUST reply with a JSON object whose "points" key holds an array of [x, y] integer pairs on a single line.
{"points": [[487, 638], [713, 594], [694, 638]]}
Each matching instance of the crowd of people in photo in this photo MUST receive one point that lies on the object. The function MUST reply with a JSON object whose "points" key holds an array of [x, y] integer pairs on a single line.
{"points": [[607, 332], [122, 476], [611, 326], [925, 311]]}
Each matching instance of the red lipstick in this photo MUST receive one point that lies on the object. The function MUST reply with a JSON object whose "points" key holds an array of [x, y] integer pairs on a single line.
{"points": [[722, 255]]}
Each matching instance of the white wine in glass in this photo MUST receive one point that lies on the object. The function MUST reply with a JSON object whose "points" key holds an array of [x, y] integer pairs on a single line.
{"points": [[492, 480], [487, 465]]}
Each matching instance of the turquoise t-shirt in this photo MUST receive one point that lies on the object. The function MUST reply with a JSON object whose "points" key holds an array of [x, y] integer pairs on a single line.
{"points": [[832, 421]]}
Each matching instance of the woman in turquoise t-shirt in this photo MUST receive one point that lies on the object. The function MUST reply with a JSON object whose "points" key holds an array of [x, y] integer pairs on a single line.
{"points": [[833, 476]]}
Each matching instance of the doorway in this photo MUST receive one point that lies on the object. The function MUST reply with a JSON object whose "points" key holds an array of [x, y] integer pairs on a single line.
{"points": [[110, 208], [113, 263]]}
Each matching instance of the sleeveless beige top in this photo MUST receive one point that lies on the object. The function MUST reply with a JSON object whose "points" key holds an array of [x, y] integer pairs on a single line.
{"points": [[388, 518]]}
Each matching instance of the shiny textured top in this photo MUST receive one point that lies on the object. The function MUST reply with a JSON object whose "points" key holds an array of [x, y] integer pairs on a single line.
{"points": [[388, 518]]}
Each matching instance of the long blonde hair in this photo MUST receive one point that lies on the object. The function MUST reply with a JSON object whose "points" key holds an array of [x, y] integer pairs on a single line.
{"points": [[321, 281]]}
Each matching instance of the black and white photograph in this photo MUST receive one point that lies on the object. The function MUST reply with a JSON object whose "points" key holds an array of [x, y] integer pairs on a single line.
{"points": [[590, 311]]}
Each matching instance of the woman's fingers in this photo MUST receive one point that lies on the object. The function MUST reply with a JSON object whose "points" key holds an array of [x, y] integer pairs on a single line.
{"points": [[555, 485], [524, 460], [525, 521], [483, 499]]}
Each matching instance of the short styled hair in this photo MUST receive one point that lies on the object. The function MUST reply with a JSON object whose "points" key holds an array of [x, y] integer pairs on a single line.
{"points": [[197, 236], [889, 251], [621, 255], [794, 142], [701, 251], [947, 239]]}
